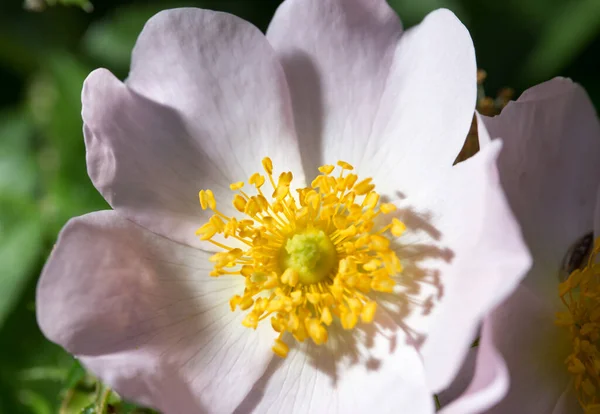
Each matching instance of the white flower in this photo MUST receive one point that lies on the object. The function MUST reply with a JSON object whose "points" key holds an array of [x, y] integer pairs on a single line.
{"points": [[550, 170], [208, 97]]}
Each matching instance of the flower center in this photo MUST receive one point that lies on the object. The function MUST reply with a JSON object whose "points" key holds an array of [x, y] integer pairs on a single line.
{"points": [[309, 260], [311, 254], [580, 294]]}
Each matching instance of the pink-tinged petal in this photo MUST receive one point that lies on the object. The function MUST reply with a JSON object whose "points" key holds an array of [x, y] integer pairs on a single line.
{"points": [[143, 314], [362, 89], [369, 369], [205, 101], [427, 106], [488, 386], [481, 257], [482, 132], [461, 381], [534, 349], [336, 55], [550, 170]]}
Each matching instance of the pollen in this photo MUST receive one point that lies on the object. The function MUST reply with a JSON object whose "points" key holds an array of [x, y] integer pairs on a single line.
{"points": [[310, 258], [580, 294]]}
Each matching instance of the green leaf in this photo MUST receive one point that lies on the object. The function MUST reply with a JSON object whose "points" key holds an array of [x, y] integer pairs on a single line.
{"points": [[18, 169], [571, 28], [35, 402], [20, 248], [33, 369], [75, 375], [55, 105], [111, 40], [76, 401], [40, 5], [412, 12]]}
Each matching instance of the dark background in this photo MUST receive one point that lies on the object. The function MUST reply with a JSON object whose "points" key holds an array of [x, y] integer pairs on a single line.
{"points": [[44, 58]]}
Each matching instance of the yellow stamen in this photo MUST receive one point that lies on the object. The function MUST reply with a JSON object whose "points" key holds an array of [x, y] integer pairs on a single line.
{"points": [[309, 260], [580, 294]]}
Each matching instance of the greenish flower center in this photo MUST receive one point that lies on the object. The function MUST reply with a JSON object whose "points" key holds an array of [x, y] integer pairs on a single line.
{"points": [[311, 254]]}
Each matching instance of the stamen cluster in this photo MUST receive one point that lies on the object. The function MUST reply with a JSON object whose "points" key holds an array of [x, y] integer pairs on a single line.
{"points": [[309, 259], [580, 294]]}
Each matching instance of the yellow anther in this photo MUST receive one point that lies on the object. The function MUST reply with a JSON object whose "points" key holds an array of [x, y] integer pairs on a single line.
{"points": [[236, 186], [277, 324], [203, 200], [348, 320], [218, 223], [331, 199], [340, 222], [384, 284], [345, 166], [234, 301], [371, 265], [290, 277], [256, 180], [252, 207], [280, 348], [326, 317], [398, 227], [262, 202], [346, 266], [349, 232], [313, 298], [351, 180], [285, 178], [207, 231], [387, 208], [207, 199], [309, 259], [210, 199], [281, 192], [300, 333], [267, 165], [355, 305], [239, 203], [371, 200], [250, 321], [293, 322], [246, 303], [363, 187], [316, 331], [272, 281], [297, 297], [379, 243], [368, 312], [326, 169], [362, 241]]}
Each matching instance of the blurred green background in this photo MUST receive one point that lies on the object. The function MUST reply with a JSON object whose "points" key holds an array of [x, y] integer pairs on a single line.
{"points": [[45, 56]]}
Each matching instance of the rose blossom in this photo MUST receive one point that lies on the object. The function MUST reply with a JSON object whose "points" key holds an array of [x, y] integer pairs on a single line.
{"points": [[367, 281], [546, 331]]}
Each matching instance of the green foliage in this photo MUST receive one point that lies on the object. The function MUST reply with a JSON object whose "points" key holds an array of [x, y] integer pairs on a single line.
{"points": [[83, 4], [111, 40], [20, 249], [572, 27], [20, 225], [521, 43]]}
